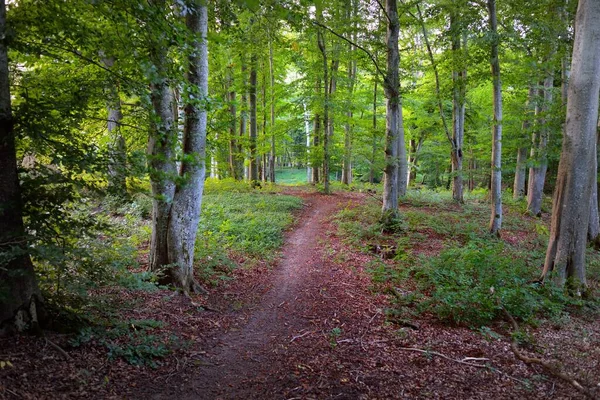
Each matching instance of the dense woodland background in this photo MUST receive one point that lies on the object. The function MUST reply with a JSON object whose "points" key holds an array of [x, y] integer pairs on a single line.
{"points": [[119, 116]]}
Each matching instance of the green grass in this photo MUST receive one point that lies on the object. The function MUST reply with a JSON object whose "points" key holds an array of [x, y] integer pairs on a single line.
{"points": [[291, 176], [249, 223]]}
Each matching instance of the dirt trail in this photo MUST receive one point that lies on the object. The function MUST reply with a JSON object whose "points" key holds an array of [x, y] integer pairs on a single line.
{"points": [[246, 355]]}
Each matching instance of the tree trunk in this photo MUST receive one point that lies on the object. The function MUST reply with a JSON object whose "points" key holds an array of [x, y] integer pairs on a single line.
{"points": [[496, 177], [393, 135], [565, 256], [521, 168], [243, 114], [20, 300], [162, 142], [236, 159], [187, 200], [374, 134], [326, 123], [351, 13], [539, 153], [253, 125], [459, 76], [347, 164], [272, 127], [117, 153], [594, 223]]}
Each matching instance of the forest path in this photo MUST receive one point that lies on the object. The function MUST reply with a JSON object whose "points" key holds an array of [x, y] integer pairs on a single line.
{"points": [[296, 312]]}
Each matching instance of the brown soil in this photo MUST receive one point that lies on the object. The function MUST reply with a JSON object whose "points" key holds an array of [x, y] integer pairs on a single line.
{"points": [[310, 328]]}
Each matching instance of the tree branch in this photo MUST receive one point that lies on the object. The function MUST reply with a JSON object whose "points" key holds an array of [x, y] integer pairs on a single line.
{"points": [[384, 11], [547, 365], [367, 52], [436, 73]]}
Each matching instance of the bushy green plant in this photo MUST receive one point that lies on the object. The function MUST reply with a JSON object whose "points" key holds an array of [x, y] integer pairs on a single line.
{"points": [[470, 285], [131, 340]]}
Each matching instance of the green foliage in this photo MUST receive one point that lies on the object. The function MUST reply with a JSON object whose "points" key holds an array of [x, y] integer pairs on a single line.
{"points": [[474, 275], [130, 340], [334, 334], [238, 220], [470, 284]]}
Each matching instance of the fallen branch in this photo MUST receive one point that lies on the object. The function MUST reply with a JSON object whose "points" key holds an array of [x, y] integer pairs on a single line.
{"points": [[435, 353], [300, 336], [59, 349], [547, 365]]}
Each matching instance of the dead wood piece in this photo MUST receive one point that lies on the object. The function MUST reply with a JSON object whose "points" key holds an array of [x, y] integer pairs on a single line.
{"points": [[547, 365], [435, 353], [300, 336], [59, 349]]}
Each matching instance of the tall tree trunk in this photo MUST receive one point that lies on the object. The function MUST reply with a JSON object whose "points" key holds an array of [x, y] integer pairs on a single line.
{"points": [[351, 13], [162, 143], [187, 200], [316, 145], [236, 160], [374, 134], [347, 162], [20, 303], [521, 168], [496, 178], [176, 208], [253, 125], [455, 154], [594, 222], [459, 75], [539, 152], [243, 113], [327, 87], [393, 136], [117, 152], [565, 256], [272, 127]]}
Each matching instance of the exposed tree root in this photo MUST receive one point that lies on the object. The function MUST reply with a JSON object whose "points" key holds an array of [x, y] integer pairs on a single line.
{"points": [[547, 365]]}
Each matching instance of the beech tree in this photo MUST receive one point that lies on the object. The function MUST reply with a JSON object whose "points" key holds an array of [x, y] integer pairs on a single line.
{"points": [[20, 300], [496, 186], [178, 193], [565, 256]]}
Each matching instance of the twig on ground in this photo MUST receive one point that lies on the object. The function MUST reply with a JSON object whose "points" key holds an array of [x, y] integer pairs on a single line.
{"points": [[435, 353], [300, 336], [59, 349], [547, 365], [13, 393]]}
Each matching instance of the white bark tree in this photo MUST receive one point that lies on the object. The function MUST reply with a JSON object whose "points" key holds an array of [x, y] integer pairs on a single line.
{"points": [[496, 190], [565, 256], [178, 194]]}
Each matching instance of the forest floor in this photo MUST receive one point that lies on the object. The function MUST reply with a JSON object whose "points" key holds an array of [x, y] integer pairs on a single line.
{"points": [[309, 327]]}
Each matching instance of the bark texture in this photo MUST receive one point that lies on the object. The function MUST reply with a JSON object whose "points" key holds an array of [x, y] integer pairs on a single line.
{"points": [[178, 193], [20, 299], [539, 152], [117, 151], [496, 176], [185, 213], [254, 161], [391, 86], [326, 122], [521, 168], [565, 256], [459, 76]]}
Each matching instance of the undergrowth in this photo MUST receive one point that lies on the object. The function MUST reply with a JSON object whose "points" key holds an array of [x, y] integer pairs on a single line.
{"points": [[471, 276], [249, 224]]}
